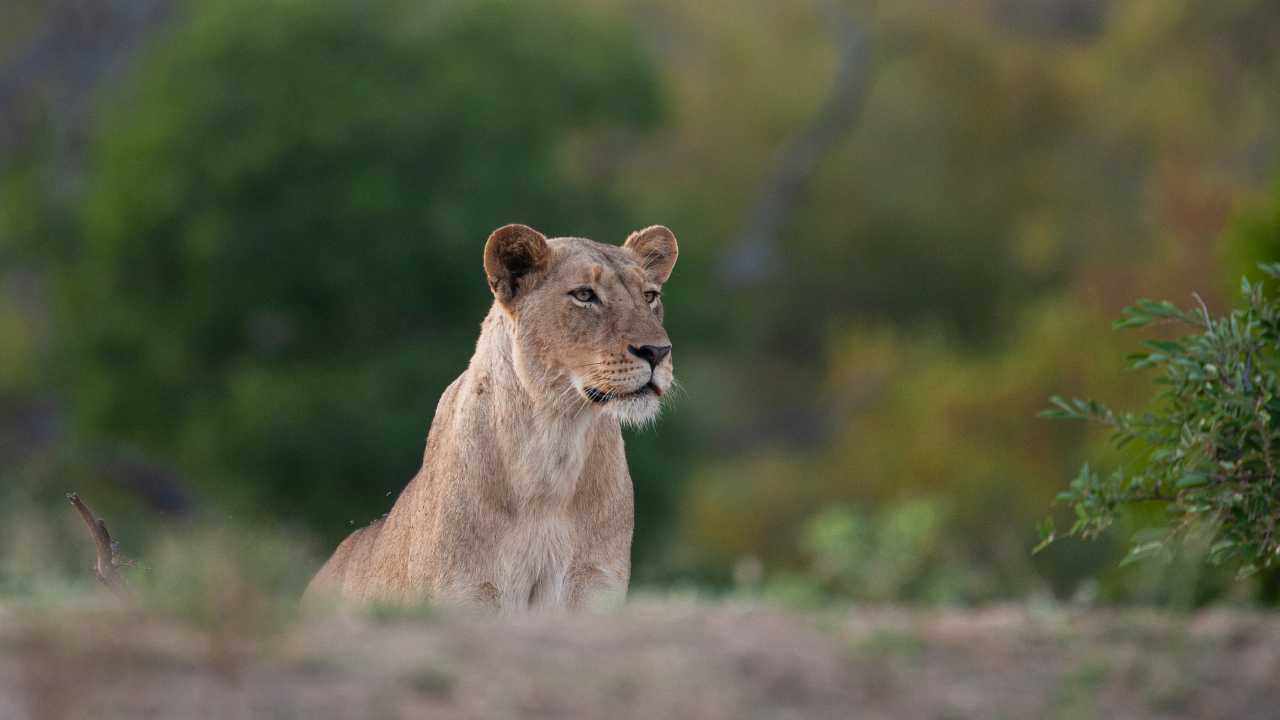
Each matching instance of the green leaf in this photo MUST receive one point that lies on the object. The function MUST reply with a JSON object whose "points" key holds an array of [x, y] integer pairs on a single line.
{"points": [[1142, 552], [1193, 479], [1133, 320], [1222, 550], [1061, 409], [1271, 269]]}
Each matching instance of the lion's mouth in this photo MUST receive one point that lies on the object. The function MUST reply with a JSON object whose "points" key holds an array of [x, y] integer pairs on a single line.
{"points": [[600, 396]]}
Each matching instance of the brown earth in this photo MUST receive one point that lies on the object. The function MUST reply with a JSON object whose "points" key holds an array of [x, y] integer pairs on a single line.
{"points": [[657, 659]]}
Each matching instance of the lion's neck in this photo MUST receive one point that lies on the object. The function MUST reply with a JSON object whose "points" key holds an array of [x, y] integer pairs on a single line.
{"points": [[541, 445]]}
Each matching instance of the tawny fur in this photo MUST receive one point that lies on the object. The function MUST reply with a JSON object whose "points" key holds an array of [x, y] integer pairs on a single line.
{"points": [[524, 498]]}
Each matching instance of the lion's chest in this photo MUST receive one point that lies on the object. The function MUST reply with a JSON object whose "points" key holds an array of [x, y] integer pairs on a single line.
{"points": [[533, 562], [536, 549]]}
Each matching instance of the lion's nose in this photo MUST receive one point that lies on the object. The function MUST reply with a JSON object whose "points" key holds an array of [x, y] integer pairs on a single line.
{"points": [[653, 354]]}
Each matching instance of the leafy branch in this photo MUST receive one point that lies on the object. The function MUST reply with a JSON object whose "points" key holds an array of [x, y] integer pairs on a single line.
{"points": [[1207, 448]]}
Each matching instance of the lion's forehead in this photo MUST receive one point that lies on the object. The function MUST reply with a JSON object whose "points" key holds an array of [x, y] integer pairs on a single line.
{"points": [[580, 259]]}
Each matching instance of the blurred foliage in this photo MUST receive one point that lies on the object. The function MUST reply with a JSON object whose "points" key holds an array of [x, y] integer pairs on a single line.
{"points": [[901, 552], [226, 577], [1003, 196], [270, 283], [1253, 238], [975, 450], [1204, 453], [234, 579], [270, 268]]}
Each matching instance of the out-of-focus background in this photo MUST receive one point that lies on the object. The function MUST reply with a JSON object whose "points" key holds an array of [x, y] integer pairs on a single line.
{"points": [[240, 258]]}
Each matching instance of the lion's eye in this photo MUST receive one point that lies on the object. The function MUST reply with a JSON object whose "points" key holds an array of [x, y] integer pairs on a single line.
{"points": [[585, 295], [651, 296]]}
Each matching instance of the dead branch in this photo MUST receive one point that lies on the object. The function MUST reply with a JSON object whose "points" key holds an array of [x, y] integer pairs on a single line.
{"points": [[750, 260], [110, 560]]}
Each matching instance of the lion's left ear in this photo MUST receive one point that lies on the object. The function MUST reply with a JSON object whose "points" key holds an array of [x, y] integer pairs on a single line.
{"points": [[657, 249]]}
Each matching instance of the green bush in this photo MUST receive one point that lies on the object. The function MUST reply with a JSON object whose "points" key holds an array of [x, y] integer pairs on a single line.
{"points": [[279, 263], [898, 553], [1203, 461]]}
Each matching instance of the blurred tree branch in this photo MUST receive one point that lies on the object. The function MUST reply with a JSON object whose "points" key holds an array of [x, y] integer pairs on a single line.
{"points": [[750, 258], [50, 73]]}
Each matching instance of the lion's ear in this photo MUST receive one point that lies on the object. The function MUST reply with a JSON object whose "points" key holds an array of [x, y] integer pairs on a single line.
{"points": [[512, 253], [657, 249]]}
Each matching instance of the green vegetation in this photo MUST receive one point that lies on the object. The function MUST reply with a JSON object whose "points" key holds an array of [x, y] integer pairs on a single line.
{"points": [[1205, 454], [270, 282], [263, 267]]}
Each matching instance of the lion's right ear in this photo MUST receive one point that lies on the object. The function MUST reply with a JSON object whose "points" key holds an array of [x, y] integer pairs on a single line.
{"points": [[512, 253]]}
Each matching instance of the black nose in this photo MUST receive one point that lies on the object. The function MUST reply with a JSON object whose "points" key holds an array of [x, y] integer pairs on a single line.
{"points": [[653, 354]]}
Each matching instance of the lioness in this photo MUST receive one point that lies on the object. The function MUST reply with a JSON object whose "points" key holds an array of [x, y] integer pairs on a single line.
{"points": [[524, 499]]}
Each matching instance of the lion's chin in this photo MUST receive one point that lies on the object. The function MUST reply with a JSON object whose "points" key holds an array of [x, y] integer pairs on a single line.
{"points": [[636, 410]]}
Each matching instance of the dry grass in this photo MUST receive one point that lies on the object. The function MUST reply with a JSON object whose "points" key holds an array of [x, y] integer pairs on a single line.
{"points": [[658, 658]]}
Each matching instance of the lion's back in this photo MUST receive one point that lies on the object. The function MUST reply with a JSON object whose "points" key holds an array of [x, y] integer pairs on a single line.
{"points": [[345, 570]]}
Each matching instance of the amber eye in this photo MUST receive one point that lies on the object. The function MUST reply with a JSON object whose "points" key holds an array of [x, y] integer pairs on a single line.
{"points": [[584, 295], [651, 296]]}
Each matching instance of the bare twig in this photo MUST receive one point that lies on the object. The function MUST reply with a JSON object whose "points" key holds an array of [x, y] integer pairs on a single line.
{"points": [[109, 561], [1208, 320]]}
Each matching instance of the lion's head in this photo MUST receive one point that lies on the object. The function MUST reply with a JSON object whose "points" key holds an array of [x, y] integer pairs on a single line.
{"points": [[586, 318]]}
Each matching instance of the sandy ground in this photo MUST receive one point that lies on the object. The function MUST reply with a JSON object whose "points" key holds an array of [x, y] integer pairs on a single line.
{"points": [[656, 659]]}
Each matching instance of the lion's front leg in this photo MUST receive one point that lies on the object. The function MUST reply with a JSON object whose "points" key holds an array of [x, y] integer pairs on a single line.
{"points": [[597, 589]]}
